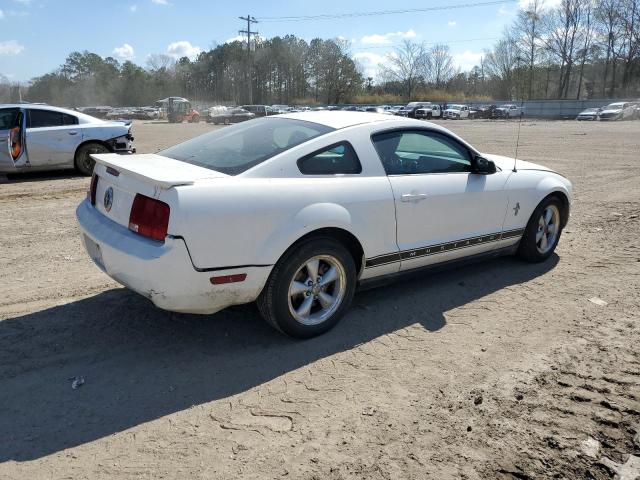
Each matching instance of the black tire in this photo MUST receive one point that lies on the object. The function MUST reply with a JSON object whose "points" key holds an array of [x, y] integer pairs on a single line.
{"points": [[528, 248], [226, 121], [83, 162], [273, 302]]}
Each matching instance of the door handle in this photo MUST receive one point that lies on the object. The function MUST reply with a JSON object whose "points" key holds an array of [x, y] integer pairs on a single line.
{"points": [[413, 197], [73, 132]]}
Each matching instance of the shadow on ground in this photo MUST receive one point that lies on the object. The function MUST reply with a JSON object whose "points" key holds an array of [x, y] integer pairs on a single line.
{"points": [[42, 176], [141, 363]]}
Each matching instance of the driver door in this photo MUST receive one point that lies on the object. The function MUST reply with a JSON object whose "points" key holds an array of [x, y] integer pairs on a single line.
{"points": [[443, 210], [12, 139]]}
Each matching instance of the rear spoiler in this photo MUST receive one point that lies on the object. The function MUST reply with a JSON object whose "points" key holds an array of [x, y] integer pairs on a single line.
{"points": [[163, 172]]}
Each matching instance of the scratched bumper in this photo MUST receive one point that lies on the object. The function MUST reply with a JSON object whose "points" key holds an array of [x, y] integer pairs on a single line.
{"points": [[162, 272]]}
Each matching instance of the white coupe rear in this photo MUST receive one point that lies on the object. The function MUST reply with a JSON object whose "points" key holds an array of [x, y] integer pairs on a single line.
{"points": [[296, 210]]}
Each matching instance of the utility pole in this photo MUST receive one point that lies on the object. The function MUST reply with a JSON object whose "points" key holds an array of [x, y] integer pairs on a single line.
{"points": [[249, 19]]}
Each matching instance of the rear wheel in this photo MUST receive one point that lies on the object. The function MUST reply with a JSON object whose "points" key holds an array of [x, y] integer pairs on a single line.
{"points": [[543, 231], [226, 121], [309, 289], [195, 119], [83, 161]]}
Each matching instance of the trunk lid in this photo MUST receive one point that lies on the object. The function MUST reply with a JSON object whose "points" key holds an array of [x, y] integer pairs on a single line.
{"points": [[121, 177]]}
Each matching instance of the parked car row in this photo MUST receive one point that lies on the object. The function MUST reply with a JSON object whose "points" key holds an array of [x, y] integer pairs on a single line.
{"points": [[130, 113], [611, 112]]}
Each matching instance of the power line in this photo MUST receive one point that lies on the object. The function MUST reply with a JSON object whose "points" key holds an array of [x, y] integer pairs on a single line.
{"points": [[329, 16], [446, 42]]}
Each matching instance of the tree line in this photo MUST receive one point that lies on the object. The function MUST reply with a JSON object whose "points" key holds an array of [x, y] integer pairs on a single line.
{"points": [[577, 49], [283, 70]]}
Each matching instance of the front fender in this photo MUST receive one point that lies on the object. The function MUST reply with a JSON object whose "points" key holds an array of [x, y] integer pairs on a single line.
{"points": [[527, 189]]}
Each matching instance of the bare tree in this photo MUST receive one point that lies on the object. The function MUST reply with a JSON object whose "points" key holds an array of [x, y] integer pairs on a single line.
{"points": [[440, 65], [406, 64], [631, 41], [562, 36], [158, 61], [526, 30], [501, 63], [608, 24]]}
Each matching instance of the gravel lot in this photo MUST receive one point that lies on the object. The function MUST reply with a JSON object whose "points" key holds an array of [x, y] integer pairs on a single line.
{"points": [[498, 370]]}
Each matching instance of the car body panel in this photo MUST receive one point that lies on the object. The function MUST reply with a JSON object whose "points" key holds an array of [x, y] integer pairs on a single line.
{"points": [[245, 223]]}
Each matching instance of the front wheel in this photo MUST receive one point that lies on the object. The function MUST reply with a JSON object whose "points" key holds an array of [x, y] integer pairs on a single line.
{"points": [[83, 161], [543, 231], [309, 289]]}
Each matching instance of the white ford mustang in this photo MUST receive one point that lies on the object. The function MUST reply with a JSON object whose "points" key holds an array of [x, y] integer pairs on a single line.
{"points": [[296, 210]]}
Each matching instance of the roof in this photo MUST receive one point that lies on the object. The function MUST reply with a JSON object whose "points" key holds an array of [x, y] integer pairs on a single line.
{"points": [[37, 106], [341, 119]]}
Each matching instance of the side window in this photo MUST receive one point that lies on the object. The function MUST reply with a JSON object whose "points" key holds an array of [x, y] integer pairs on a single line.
{"points": [[69, 119], [421, 152], [9, 118], [340, 158], [44, 118]]}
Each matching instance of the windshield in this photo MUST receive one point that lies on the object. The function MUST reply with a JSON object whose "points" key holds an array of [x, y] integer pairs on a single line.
{"points": [[455, 107], [614, 106], [233, 150]]}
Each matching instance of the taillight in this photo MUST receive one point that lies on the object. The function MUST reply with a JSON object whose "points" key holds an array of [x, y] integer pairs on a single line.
{"points": [[14, 143], [149, 217], [93, 188]]}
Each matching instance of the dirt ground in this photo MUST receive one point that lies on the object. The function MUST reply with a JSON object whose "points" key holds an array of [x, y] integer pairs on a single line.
{"points": [[498, 370]]}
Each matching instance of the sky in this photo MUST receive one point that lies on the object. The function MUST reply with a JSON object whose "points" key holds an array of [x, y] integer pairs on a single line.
{"points": [[37, 35]]}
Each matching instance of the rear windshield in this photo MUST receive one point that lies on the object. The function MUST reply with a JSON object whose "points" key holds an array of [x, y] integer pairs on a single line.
{"points": [[233, 150], [9, 118]]}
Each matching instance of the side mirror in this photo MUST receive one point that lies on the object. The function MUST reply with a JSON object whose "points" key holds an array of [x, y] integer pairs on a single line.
{"points": [[483, 166]]}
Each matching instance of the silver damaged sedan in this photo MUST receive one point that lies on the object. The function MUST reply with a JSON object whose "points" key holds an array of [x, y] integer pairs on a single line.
{"points": [[42, 137]]}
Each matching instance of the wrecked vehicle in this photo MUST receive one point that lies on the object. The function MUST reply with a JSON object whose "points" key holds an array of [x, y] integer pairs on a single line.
{"points": [[297, 210], [41, 137]]}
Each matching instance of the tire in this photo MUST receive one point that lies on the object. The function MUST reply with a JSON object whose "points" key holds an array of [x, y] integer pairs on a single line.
{"points": [[532, 248], [429, 115], [195, 119], [226, 121], [281, 306], [83, 162]]}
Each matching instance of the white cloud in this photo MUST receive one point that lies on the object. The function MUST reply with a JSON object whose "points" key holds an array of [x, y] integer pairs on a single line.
{"points": [[23, 2], [452, 23], [125, 52], [524, 4], [467, 59], [160, 2], [183, 48], [237, 38], [370, 62], [133, 8], [385, 39], [11, 47], [1, 14], [503, 11]]}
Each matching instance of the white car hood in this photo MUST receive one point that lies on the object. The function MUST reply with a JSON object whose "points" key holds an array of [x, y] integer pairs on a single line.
{"points": [[506, 163], [455, 110], [612, 110]]}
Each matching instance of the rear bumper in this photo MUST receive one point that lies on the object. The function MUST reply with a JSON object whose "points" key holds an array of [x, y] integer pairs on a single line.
{"points": [[162, 272]]}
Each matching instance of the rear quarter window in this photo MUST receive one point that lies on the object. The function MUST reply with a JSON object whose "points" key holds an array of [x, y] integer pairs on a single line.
{"points": [[9, 118]]}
